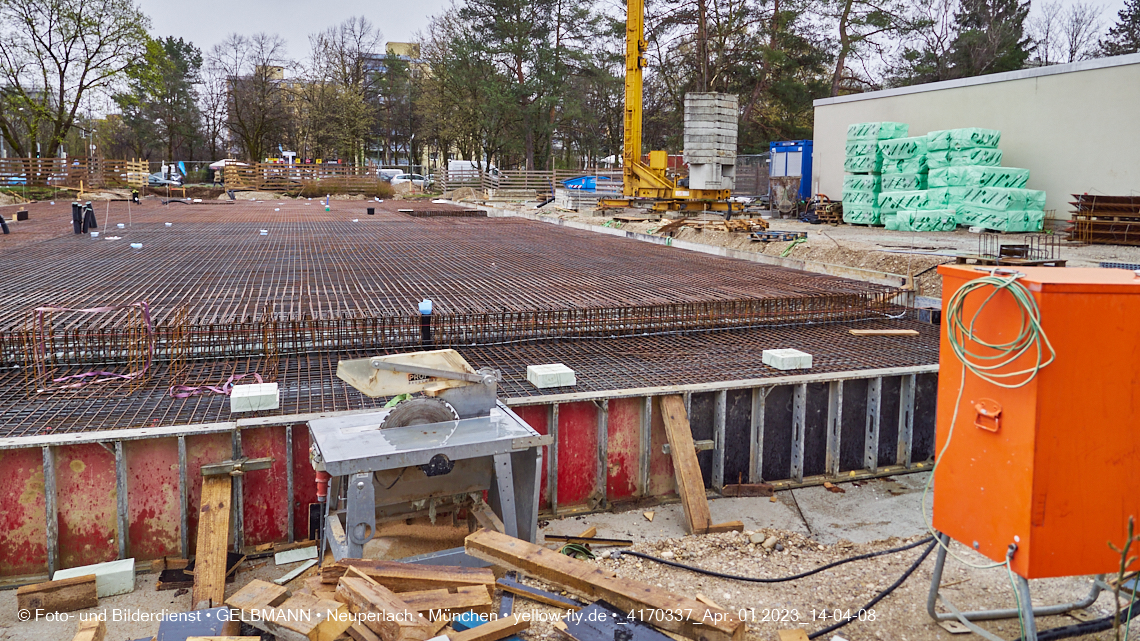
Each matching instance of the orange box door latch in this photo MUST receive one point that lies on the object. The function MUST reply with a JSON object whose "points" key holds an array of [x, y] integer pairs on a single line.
{"points": [[988, 417]]}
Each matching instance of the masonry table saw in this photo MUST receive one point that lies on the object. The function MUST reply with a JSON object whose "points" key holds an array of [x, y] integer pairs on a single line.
{"points": [[432, 453]]}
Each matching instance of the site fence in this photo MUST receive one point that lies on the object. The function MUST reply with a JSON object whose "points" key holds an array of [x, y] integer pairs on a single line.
{"points": [[288, 178], [71, 172], [540, 182]]}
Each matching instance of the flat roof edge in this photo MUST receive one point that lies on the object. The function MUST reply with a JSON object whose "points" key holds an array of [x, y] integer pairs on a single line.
{"points": [[1022, 74]]}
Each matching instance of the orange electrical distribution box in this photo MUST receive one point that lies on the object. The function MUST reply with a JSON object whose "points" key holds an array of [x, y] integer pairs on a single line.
{"points": [[1053, 465]]}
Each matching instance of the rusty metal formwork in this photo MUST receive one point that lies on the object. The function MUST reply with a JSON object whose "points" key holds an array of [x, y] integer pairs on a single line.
{"points": [[1106, 220]]}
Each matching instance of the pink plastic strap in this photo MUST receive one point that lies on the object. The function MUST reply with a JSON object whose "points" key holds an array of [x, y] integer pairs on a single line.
{"points": [[186, 391]]}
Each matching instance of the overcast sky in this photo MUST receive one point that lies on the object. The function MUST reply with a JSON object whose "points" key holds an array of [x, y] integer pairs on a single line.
{"points": [[207, 22]]}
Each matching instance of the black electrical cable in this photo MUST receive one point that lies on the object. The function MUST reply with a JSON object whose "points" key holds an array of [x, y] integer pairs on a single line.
{"points": [[1087, 627], [869, 555], [882, 595]]}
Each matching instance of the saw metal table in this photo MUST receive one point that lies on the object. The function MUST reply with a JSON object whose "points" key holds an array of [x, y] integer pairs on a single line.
{"points": [[499, 453]]}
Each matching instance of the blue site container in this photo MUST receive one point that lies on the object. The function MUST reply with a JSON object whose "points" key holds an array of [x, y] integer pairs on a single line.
{"points": [[792, 158]]}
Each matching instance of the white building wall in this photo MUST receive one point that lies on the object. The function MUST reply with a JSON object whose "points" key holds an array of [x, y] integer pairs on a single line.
{"points": [[1075, 127]]}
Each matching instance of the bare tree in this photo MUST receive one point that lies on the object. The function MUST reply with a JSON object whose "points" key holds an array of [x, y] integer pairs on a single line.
{"points": [[1065, 34], [340, 88], [53, 53], [254, 72]]}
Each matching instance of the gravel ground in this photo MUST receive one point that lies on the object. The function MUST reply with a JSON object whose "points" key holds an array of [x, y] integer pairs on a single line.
{"points": [[873, 248]]}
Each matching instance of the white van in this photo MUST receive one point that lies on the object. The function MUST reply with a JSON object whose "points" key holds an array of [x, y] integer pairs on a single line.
{"points": [[467, 170], [388, 174]]}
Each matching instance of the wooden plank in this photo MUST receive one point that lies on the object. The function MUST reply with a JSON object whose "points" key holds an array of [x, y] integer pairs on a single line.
{"points": [[223, 638], [883, 332], [690, 483], [593, 582], [728, 526], [360, 633], [434, 603], [409, 577], [535, 594], [213, 539], [91, 630], [65, 595], [749, 489], [300, 617], [492, 630], [382, 611], [792, 635], [590, 533]]}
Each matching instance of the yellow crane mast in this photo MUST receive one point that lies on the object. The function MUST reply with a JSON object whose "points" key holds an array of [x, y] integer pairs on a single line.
{"points": [[649, 182]]}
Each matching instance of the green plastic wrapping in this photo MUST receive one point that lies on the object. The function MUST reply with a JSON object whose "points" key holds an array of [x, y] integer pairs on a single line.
{"points": [[902, 148], [978, 176], [890, 221], [944, 197], [861, 147], [1014, 220], [877, 130], [1004, 198], [861, 215], [967, 138], [894, 201], [857, 198], [863, 182], [916, 165], [903, 182], [865, 164], [962, 157], [926, 220]]}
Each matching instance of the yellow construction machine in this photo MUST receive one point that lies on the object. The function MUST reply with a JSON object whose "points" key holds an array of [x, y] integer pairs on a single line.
{"points": [[649, 183]]}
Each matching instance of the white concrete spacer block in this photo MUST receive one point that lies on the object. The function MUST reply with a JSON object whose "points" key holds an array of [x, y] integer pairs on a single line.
{"points": [[111, 578], [786, 359], [251, 398], [553, 375]]}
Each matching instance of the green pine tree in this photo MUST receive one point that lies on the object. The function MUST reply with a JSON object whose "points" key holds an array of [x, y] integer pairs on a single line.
{"points": [[1124, 36], [991, 37]]}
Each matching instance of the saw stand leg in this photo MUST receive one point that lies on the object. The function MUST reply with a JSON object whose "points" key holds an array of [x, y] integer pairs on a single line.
{"points": [[1025, 610], [504, 498]]}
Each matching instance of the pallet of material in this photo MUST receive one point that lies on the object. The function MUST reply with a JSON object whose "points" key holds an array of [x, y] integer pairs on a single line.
{"points": [[410, 577], [693, 619], [777, 236], [300, 617], [64, 595]]}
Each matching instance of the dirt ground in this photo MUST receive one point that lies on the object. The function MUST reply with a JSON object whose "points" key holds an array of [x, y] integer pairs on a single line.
{"points": [[874, 248]]}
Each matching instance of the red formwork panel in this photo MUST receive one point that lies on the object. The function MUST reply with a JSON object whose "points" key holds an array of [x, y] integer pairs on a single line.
{"points": [[661, 477], [23, 528], [265, 518], [202, 450], [153, 505], [304, 482], [623, 447], [537, 416], [577, 452], [88, 506]]}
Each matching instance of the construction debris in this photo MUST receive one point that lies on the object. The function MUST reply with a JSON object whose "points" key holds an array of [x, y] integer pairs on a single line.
{"points": [[64, 595], [448, 602], [1106, 220], [381, 611], [300, 617], [535, 594], [407, 577], [732, 226], [111, 578], [92, 629], [589, 581]]}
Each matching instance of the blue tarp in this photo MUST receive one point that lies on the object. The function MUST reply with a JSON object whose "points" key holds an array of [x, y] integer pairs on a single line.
{"points": [[584, 183]]}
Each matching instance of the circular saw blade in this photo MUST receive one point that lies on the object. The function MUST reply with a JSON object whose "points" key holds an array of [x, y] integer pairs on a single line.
{"points": [[419, 411]]}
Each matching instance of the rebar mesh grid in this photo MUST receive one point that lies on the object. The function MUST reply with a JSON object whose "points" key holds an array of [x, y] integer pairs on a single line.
{"points": [[308, 382], [335, 281]]}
